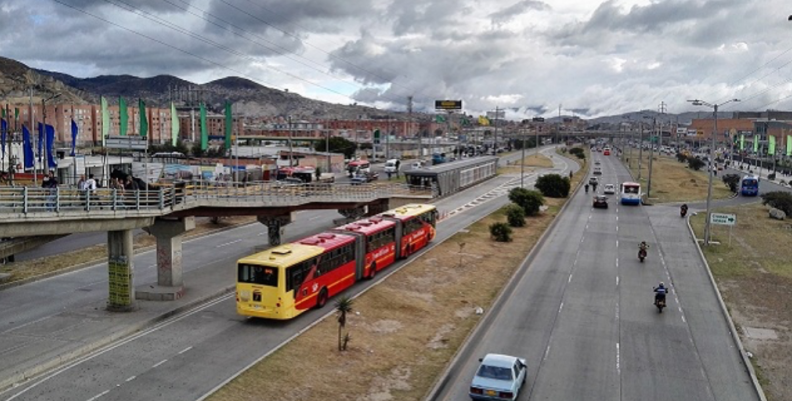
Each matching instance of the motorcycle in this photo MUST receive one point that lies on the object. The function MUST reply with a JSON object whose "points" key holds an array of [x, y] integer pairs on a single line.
{"points": [[642, 254], [660, 304], [683, 212]]}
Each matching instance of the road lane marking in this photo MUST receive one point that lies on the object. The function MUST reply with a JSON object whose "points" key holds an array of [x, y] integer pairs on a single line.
{"points": [[98, 395], [130, 379], [547, 351], [313, 218], [561, 307], [229, 243], [683, 318], [159, 363], [617, 280], [618, 359], [185, 350]]}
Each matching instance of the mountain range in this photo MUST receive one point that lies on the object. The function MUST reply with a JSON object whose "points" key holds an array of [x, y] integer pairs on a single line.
{"points": [[248, 97]]}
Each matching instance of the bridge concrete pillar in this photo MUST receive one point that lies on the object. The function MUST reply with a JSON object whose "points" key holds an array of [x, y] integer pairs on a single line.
{"points": [[275, 226], [354, 213], [378, 207], [120, 252], [169, 234]]}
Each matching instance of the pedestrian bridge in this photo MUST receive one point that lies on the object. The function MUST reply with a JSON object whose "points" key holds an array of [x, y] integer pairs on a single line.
{"points": [[168, 212]]}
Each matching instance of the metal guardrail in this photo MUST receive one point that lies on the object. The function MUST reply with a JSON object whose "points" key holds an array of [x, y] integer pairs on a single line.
{"points": [[34, 202]]}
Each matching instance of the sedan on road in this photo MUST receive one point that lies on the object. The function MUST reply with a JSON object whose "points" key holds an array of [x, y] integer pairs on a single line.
{"points": [[609, 189], [499, 377], [601, 201]]}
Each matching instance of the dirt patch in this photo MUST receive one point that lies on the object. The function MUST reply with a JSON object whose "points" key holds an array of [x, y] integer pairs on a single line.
{"points": [[405, 330], [754, 276], [98, 253], [673, 181]]}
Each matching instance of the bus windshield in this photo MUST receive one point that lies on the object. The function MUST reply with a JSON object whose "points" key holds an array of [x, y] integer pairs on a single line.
{"points": [[255, 274]]}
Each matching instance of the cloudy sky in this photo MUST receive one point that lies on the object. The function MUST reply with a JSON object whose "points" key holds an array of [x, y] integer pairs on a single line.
{"points": [[592, 57]]}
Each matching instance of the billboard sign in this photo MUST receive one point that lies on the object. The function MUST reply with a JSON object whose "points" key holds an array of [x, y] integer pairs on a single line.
{"points": [[448, 104]]}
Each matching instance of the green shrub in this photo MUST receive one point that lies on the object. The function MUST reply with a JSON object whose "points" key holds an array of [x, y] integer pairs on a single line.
{"points": [[515, 215], [732, 181], [780, 200], [553, 186], [578, 152], [695, 163], [500, 232], [527, 199]]}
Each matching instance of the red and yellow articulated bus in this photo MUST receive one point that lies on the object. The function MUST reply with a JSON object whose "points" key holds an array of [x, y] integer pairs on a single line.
{"points": [[287, 280]]}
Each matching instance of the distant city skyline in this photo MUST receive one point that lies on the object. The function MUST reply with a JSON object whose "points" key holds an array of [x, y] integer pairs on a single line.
{"points": [[593, 58]]}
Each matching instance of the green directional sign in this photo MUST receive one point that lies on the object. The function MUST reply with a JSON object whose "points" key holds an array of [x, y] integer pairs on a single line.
{"points": [[723, 219]]}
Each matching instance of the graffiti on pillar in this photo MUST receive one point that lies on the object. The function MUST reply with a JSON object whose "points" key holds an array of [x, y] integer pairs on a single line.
{"points": [[353, 213], [120, 282], [274, 232]]}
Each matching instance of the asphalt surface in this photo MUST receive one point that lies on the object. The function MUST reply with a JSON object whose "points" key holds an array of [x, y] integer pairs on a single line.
{"points": [[181, 358], [581, 313]]}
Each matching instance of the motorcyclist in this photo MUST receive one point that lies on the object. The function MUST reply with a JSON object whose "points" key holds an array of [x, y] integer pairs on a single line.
{"points": [[586, 186], [642, 249], [660, 293], [683, 209]]}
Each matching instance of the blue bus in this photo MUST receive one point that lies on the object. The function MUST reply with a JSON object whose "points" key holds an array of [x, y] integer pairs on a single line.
{"points": [[749, 185], [630, 193]]}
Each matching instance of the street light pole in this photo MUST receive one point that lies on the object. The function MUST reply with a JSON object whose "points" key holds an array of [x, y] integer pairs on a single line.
{"points": [[640, 150], [522, 161], [47, 154], [698, 102]]}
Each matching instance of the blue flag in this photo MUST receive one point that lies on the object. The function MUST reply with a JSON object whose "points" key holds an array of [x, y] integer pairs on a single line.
{"points": [[51, 162], [75, 131], [41, 142], [3, 131], [30, 159]]}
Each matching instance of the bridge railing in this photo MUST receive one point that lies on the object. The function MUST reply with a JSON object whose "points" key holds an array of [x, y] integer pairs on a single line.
{"points": [[28, 200]]}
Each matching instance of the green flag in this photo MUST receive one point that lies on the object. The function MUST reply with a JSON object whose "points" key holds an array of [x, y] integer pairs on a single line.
{"points": [[174, 125], [439, 119], [229, 125], [123, 116], [4, 112], [465, 122], [742, 142], [16, 113], [204, 131], [756, 143], [143, 119], [789, 145], [377, 136], [771, 147], [105, 120]]}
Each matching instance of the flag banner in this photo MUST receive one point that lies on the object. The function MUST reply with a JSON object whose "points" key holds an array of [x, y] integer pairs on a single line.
{"points": [[51, 162], [483, 120], [75, 131], [789, 145], [229, 124], [105, 120], [771, 148], [756, 143], [465, 122], [142, 118], [16, 113], [204, 129], [40, 147], [3, 132], [742, 142], [123, 116], [4, 114], [174, 125], [440, 119], [27, 144]]}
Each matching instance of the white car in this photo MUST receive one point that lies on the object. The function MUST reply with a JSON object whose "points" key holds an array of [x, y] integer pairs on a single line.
{"points": [[499, 377], [609, 189]]}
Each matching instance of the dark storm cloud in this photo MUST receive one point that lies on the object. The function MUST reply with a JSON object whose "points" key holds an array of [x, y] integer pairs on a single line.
{"points": [[297, 17], [439, 17], [515, 10]]}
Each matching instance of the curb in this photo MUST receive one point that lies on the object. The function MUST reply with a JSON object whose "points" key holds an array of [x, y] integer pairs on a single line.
{"points": [[95, 346], [465, 349], [100, 261], [732, 328]]}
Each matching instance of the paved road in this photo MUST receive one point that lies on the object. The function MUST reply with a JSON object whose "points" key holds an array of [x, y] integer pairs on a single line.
{"points": [[581, 313], [183, 358]]}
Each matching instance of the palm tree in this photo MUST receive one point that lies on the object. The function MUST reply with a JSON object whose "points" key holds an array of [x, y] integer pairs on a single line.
{"points": [[343, 306]]}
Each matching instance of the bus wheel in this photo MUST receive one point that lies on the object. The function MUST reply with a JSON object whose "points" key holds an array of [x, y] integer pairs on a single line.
{"points": [[373, 271], [322, 300]]}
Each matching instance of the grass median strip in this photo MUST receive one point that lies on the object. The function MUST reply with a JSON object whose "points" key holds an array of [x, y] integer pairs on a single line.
{"points": [[754, 276], [404, 331], [673, 181]]}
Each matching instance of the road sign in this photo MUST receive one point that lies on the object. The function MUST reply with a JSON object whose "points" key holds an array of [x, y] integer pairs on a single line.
{"points": [[723, 219], [126, 142], [448, 104]]}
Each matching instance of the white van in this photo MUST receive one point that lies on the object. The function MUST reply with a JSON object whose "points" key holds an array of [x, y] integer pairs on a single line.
{"points": [[391, 166]]}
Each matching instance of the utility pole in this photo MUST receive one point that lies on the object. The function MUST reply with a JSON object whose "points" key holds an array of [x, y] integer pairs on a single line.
{"points": [[409, 124], [640, 150], [559, 124], [291, 149], [30, 127]]}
